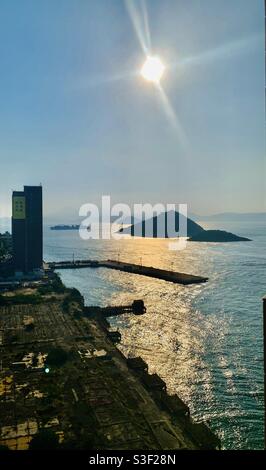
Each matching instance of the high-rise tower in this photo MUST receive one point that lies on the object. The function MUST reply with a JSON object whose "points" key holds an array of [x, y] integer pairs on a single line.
{"points": [[27, 229]]}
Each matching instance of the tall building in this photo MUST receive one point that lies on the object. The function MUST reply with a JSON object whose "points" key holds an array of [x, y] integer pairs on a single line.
{"points": [[27, 229], [18, 230]]}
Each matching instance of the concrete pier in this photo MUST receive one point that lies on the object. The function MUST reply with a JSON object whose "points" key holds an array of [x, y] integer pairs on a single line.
{"points": [[170, 276]]}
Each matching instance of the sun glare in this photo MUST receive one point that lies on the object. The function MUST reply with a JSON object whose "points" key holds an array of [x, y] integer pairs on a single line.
{"points": [[152, 69]]}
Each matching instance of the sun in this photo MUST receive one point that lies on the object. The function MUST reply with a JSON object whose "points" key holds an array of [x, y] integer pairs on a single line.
{"points": [[152, 69]]}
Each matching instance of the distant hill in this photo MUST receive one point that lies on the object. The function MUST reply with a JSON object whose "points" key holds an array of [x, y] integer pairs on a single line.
{"points": [[65, 227], [151, 227], [217, 236], [231, 217]]}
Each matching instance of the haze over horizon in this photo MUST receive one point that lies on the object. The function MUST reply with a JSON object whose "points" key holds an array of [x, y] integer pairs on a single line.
{"points": [[76, 117]]}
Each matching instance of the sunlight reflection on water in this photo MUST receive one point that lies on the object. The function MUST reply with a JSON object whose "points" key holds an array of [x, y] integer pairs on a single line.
{"points": [[204, 340]]}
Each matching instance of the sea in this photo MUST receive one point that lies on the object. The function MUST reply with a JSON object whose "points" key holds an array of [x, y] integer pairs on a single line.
{"points": [[205, 341]]}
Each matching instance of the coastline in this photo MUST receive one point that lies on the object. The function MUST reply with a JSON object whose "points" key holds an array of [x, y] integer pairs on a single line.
{"points": [[96, 388]]}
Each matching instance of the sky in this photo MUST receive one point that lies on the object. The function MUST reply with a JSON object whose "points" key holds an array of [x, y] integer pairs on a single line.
{"points": [[76, 116]]}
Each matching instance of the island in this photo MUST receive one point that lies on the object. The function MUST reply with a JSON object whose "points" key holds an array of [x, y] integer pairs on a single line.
{"points": [[151, 227], [217, 236], [65, 227], [195, 232]]}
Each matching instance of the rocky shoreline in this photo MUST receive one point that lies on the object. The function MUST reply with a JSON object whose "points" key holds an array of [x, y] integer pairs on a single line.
{"points": [[63, 374]]}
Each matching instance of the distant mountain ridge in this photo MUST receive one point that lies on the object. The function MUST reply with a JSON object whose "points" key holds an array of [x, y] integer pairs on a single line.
{"points": [[230, 217]]}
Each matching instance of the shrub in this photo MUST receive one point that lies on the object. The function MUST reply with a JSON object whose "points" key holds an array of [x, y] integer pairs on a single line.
{"points": [[58, 285], [20, 299], [75, 294]]}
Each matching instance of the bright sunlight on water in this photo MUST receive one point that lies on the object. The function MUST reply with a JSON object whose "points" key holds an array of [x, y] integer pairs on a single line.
{"points": [[204, 340]]}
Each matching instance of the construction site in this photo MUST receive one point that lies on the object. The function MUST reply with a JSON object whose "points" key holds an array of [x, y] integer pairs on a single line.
{"points": [[61, 371]]}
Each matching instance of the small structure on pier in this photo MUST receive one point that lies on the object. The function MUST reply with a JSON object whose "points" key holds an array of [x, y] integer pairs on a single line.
{"points": [[137, 308]]}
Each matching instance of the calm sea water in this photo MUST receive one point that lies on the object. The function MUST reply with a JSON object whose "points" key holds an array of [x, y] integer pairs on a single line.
{"points": [[205, 340]]}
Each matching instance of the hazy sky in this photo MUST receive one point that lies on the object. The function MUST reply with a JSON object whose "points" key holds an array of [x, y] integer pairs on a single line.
{"points": [[75, 117]]}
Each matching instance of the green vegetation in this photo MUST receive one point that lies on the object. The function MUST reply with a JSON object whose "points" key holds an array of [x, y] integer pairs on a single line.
{"points": [[45, 290], [19, 299], [58, 285], [74, 296], [5, 246], [55, 286]]}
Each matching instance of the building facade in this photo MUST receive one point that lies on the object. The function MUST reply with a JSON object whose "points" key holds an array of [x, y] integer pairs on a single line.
{"points": [[27, 229]]}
